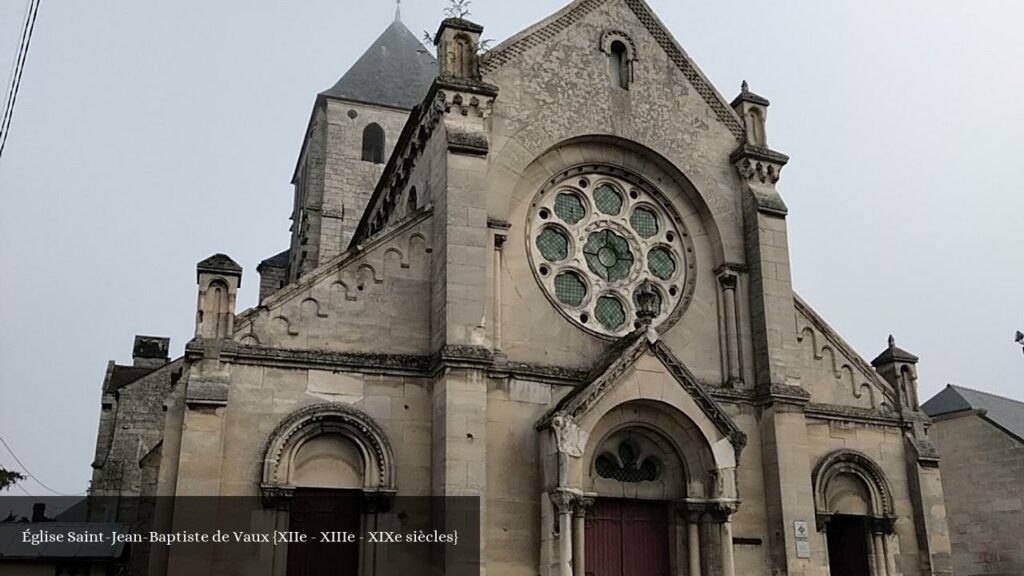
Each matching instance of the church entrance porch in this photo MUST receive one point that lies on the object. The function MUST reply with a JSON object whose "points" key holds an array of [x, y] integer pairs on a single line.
{"points": [[848, 546], [627, 537]]}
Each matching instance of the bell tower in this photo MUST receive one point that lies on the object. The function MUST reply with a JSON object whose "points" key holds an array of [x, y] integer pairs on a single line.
{"points": [[351, 133]]}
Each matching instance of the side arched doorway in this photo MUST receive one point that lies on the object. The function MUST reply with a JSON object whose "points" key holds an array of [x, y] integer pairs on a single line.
{"points": [[327, 468], [854, 507]]}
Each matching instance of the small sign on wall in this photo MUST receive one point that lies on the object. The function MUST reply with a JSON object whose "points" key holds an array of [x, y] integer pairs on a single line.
{"points": [[803, 542]]}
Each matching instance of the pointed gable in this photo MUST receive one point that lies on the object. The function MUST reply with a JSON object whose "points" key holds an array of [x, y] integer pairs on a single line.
{"points": [[563, 20], [395, 71], [623, 355]]}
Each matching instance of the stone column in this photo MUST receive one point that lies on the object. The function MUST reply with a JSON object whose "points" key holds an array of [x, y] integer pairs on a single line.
{"points": [[890, 554], [499, 242], [728, 280], [728, 564], [722, 514], [694, 513], [562, 501], [880, 567], [580, 507]]}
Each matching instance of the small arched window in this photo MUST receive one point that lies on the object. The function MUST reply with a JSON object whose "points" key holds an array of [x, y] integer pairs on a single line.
{"points": [[373, 144], [619, 64]]}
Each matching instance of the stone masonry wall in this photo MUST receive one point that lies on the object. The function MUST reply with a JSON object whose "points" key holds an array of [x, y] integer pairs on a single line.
{"points": [[982, 470]]}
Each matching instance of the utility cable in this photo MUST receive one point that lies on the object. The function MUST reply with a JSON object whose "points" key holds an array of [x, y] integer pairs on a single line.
{"points": [[28, 472], [19, 67]]}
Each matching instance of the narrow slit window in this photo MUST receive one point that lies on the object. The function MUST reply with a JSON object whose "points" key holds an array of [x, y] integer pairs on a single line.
{"points": [[619, 63], [411, 201], [373, 144]]}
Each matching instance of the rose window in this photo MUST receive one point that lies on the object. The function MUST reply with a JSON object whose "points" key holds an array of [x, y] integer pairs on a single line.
{"points": [[597, 239]]}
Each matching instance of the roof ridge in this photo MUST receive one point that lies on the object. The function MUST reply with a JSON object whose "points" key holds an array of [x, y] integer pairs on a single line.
{"points": [[976, 391]]}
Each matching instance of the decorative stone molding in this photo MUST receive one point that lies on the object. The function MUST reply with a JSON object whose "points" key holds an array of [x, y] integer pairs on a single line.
{"points": [[759, 164], [844, 357], [624, 355], [846, 461], [312, 421], [610, 36], [419, 128], [467, 99], [700, 395]]}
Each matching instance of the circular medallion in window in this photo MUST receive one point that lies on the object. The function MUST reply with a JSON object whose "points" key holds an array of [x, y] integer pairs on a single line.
{"points": [[569, 207], [553, 244], [570, 289], [592, 246]]}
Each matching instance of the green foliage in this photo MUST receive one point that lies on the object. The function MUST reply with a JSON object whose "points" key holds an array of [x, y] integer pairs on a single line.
{"points": [[9, 478], [457, 9]]}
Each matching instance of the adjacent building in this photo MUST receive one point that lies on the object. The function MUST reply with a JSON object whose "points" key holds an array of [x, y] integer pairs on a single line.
{"points": [[554, 275], [981, 439]]}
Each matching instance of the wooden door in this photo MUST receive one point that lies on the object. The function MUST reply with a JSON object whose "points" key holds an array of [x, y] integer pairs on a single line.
{"points": [[848, 546], [627, 538], [315, 511]]}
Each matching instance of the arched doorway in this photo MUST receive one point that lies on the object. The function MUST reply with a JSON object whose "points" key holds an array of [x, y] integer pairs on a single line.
{"points": [[854, 508], [637, 477], [327, 468]]}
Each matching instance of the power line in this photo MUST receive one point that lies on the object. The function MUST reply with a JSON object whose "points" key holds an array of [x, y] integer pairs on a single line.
{"points": [[28, 472], [19, 66]]}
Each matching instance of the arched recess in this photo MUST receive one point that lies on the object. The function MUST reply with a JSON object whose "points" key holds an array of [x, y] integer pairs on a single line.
{"points": [[678, 449], [854, 509], [844, 475], [327, 446]]}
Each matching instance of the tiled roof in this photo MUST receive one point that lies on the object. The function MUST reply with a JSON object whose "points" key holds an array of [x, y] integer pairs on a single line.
{"points": [[1006, 413]]}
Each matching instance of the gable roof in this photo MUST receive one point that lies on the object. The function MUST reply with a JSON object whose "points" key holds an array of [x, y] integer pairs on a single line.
{"points": [[623, 354], [1005, 413], [565, 18], [395, 71]]}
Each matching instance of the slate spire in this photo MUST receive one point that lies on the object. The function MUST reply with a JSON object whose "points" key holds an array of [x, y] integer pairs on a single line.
{"points": [[395, 71]]}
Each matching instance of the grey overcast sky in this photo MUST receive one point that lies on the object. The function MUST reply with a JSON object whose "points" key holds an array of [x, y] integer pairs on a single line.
{"points": [[149, 135]]}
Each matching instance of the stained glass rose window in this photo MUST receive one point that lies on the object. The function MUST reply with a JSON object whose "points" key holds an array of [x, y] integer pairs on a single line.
{"points": [[595, 236]]}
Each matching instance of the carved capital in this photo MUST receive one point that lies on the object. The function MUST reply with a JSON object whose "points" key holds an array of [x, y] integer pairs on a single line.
{"points": [[722, 511], [882, 524], [276, 496], [728, 279], [562, 500], [581, 505], [693, 511]]}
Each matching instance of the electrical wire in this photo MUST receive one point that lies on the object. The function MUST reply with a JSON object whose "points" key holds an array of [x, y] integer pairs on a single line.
{"points": [[28, 472], [19, 67]]}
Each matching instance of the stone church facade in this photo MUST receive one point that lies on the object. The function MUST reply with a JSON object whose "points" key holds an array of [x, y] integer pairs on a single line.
{"points": [[553, 275]]}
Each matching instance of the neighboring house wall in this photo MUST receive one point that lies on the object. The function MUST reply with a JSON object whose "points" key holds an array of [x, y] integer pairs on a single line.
{"points": [[983, 480]]}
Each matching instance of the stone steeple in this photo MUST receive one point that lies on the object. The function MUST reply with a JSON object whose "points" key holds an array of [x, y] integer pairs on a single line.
{"points": [[351, 133]]}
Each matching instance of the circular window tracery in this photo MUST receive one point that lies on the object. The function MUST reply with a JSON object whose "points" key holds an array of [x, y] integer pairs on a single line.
{"points": [[595, 235]]}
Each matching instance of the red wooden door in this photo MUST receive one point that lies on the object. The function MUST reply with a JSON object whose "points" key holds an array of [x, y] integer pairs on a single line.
{"points": [[627, 538]]}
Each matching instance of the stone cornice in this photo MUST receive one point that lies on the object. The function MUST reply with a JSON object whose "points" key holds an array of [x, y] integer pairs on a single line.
{"points": [[413, 365], [757, 164], [852, 414]]}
